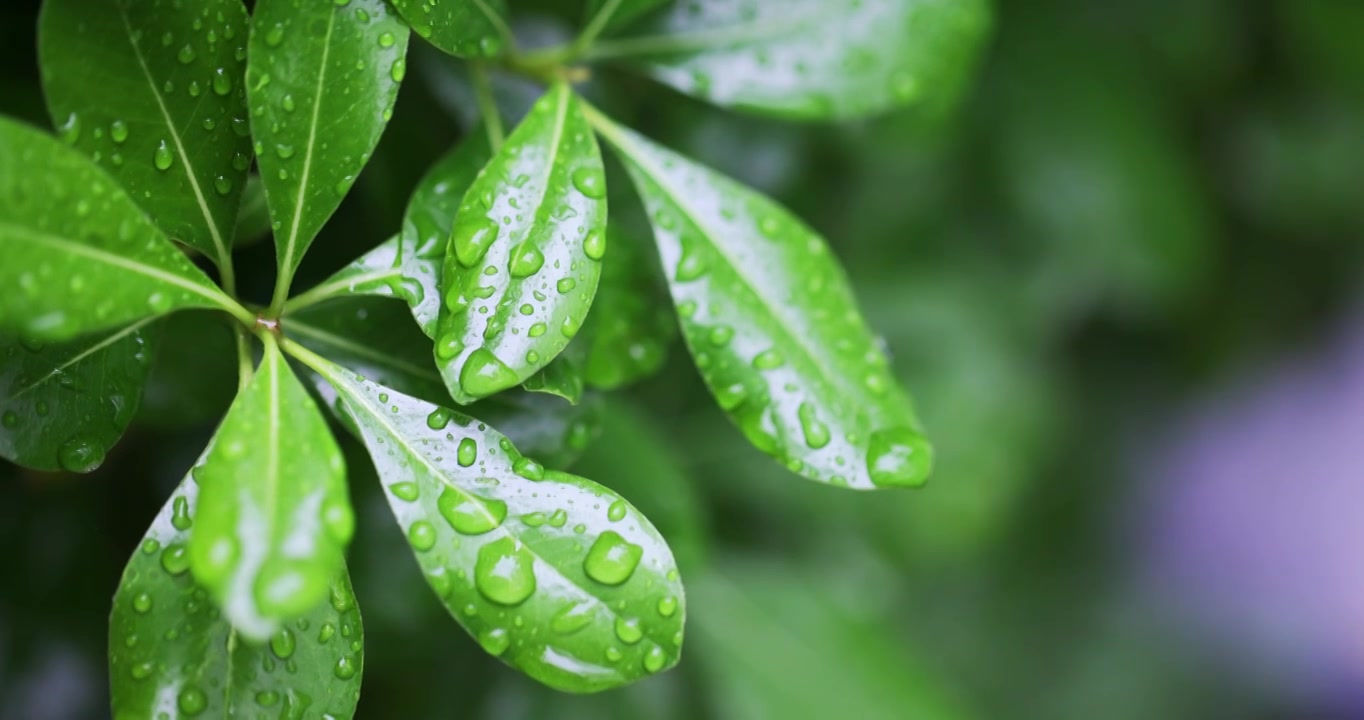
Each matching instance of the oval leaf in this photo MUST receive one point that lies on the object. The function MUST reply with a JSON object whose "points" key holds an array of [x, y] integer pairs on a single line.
{"points": [[543, 426], [173, 655], [276, 517], [79, 255], [524, 254], [810, 59], [773, 326], [321, 82], [559, 577], [466, 28], [408, 266], [63, 406], [154, 93], [630, 342]]}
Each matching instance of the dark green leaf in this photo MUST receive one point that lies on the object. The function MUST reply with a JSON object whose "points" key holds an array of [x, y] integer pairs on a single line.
{"points": [[173, 655], [79, 255], [321, 82], [623, 12], [153, 92], [373, 336], [276, 515], [408, 266], [773, 326], [543, 426], [253, 217], [194, 377], [633, 326], [467, 28], [562, 378], [63, 406], [524, 254], [810, 59], [556, 575]]}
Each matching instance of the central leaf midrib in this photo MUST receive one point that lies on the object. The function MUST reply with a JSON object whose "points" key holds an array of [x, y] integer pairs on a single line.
{"points": [[286, 267], [97, 347]]}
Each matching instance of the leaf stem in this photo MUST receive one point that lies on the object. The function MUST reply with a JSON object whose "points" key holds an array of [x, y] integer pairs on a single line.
{"points": [[594, 28], [487, 104], [316, 362], [244, 367]]}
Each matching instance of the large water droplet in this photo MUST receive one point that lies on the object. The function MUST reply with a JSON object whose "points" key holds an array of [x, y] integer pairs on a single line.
{"points": [[505, 572], [483, 374], [495, 641], [175, 559], [528, 469], [611, 559], [667, 606], [628, 630], [898, 457], [654, 659], [192, 700], [594, 245], [590, 182], [469, 515], [422, 535], [118, 131], [80, 455], [162, 157], [283, 644], [345, 668], [467, 452], [617, 511], [816, 432], [472, 238]]}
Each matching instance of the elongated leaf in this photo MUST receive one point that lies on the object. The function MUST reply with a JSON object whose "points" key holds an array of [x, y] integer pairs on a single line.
{"points": [[556, 575], [276, 517], [524, 255], [773, 326], [467, 28], [154, 93], [634, 326], [78, 254], [63, 406], [253, 217], [810, 59], [623, 12], [172, 654], [321, 82], [408, 266], [562, 378], [543, 426], [373, 336]]}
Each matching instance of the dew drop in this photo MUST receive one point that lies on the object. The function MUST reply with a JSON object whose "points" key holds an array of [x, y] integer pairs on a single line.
{"points": [[654, 659], [186, 55], [472, 238], [526, 260], [667, 606], [275, 35], [118, 131], [422, 536], [467, 452], [816, 433], [345, 668], [590, 182], [505, 572], [495, 641], [162, 157], [594, 245], [192, 700], [469, 515], [612, 560], [628, 630], [483, 374], [175, 559], [572, 618], [222, 83], [283, 644], [529, 469], [79, 455], [406, 491], [616, 512], [438, 419], [898, 457]]}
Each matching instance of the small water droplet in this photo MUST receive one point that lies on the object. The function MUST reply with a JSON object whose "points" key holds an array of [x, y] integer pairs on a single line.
{"points": [[449, 346], [422, 536], [142, 603], [191, 700], [628, 630], [667, 606], [186, 55], [594, 245], [768, 360], [590, 182], [566, 284], [222, 185], [345, 668], [438, 419], [180, 519], [654, 659], [816, 433], [404, 491], [275, 35], [174, 559], [162, 157], [222, 82], [495, 641], [616, 512], [118, 131], [80, 455], [283, 644], [386, 40], [572, 618], [529, 469], [898, 457], [468, 515]]}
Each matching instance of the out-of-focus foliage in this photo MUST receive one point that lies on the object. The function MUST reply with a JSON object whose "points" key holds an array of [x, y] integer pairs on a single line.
{"points": [[1131, 202]]}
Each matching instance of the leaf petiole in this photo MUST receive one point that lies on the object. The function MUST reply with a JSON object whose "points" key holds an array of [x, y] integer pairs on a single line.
{"points": [[487, 104]]}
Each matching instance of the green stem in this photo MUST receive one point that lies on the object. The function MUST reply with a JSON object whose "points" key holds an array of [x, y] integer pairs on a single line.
{"points": [[244, 367], [487, 105], [335, 289], [319, 364], [227, 274], [594, 28], [281, 296]]}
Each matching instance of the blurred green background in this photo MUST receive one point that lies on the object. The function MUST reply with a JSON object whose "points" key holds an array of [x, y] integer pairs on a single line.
{"points": [[1130, 206]]}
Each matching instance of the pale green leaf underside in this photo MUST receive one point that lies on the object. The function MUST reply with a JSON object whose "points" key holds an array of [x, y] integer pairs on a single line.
{"points": [[559, 577], [153, 92], [524, 255], [276, 515], [321, 82], [773, 326], [173, 655], [809, 59], [63, 406], [79, 255]]}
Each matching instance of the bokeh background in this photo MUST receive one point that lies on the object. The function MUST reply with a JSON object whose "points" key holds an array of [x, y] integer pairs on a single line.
{"points": [[1120, 274]]}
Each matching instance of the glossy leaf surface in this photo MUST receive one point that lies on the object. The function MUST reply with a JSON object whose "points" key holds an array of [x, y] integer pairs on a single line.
{"points": [[773, 325], [467, 28], [809, 59], [276, 515], [634, 324], [153, 92], [623, 12], [543, 426], [373, 336], [63, 406], [556, 575], [78, 254], [173, 655], [562, 377], [253, 216], [525, 253], [321, 82], [408, 266]]}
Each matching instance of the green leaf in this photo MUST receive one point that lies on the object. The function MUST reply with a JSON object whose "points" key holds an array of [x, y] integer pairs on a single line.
{"points": [[524, 254], [321, 82], [172, 654], [559, 577], [79, 256], [623, 12], [63, 406], [276, 517], [562, 378], [809, 59], [466, 28], [373, 336], [408, 266], [630, 342], [194, 377], [542, 425], [253, 217], [154, 93], [773, 325]]}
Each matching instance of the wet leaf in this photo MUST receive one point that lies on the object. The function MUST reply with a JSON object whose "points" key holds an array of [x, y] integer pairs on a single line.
{"points": [[154, 93], [79, 255], [543, 426], [63, 406], [524, 255], [773, 325], [554, 574], [633, 325], [321, 82], [172, 654], [563, 377], [809, 59], [467, 28], [253, 217], [276, 514]]}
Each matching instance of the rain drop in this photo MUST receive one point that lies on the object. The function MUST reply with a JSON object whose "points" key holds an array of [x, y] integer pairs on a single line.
{"points": [[469, 515], [162, 158], [612, 559], [505, 572]]}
